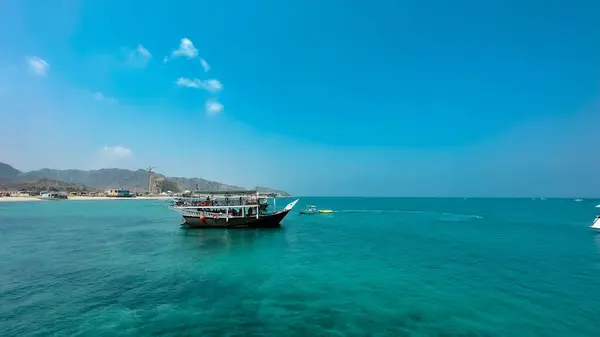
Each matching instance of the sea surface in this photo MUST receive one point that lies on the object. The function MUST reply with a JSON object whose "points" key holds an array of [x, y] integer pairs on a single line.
{"points": [[375, 267]]}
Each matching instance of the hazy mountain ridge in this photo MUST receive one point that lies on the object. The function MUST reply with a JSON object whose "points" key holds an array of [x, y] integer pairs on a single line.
{"points": [[41, 185], [203, 184], [263, 189], [116, 178], [8, 172], [100, 179]]}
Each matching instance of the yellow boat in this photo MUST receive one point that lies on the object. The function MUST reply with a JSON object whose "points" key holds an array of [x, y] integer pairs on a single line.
{"points": [[326, 211]]}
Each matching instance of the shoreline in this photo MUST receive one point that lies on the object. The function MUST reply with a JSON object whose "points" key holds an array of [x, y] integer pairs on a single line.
{"points": [[25, 199]]}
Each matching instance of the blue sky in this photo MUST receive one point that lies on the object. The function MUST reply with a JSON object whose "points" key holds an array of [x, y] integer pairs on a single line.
{"points": [[409, 98]]}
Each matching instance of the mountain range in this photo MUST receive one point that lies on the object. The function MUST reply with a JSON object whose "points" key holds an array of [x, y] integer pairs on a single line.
{"points": [[103, 179]]}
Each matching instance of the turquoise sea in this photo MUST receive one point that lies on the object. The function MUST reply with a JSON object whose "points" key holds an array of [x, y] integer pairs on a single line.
{"points": [[376, 267]]}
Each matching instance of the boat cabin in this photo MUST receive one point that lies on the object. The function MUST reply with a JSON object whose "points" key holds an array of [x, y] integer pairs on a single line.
{"points": [[229, 204]]}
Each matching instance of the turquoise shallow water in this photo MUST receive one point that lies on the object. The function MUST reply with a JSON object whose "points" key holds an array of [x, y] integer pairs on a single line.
{"points": [[377, 267]]}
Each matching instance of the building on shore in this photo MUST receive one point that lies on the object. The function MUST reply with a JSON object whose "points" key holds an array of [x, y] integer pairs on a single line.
{"points": [[161, 184], [152, 182], [119, 193], [170, 185]]}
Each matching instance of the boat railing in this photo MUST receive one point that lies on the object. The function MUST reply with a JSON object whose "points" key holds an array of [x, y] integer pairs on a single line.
{"points": [[214, 214], [221, 203]]}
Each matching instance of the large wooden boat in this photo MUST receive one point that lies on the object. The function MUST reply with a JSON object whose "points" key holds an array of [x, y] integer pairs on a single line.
{"points": [[234, 209]]}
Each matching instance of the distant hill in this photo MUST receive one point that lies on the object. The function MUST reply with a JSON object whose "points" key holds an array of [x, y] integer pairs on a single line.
{"points": [[8, 172], [100, 179], [41, 185], [117, 178], [270, 190], [201, 184]]}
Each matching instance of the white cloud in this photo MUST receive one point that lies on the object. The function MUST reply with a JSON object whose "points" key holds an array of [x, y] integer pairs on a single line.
{"points": [[205, 65], [213, 107], [139, 57], [211, 85], [101, 97], [116, 152], [143, 51], [114, 156], [186, 48], [38, 65], [186, 82]]}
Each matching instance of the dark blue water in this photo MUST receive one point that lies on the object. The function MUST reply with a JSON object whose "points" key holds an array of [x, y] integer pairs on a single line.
{"points": [[376, 267]]}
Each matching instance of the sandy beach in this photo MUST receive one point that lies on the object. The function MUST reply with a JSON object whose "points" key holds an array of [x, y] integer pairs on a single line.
{"points": [[23, 199]]}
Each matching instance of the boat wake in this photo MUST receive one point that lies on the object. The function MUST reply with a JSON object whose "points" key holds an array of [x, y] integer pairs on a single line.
{"points": [[369, 211], [445, 216]]}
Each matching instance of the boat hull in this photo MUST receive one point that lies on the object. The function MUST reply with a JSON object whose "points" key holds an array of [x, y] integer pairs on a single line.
{"points": [[263, 221]]}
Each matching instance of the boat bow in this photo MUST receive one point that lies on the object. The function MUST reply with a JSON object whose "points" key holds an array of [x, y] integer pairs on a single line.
{"points": [[596, 224], [290, 206]]}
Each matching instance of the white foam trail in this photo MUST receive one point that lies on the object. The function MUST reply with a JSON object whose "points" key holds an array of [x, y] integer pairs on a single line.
{"points": [[368, 211], [472, 216]]}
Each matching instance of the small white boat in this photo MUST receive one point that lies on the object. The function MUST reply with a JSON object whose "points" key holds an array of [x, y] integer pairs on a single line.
{"points": [[310, 209], [598, 206], [596, 224]]}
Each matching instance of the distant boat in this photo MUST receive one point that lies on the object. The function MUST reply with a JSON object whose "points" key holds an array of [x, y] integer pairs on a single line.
{"points": [[53, 196], [596, 224], [310, 209], [578, 200]]}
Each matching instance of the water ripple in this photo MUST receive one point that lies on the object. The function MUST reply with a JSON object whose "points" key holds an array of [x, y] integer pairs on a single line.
{"points": [[451, 268]]}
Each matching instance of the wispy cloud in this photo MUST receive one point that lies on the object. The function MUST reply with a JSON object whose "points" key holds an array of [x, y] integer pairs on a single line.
{"points": [[116, 152], [114, 156], [205, 65], [143, 51], [212, 85], [38, 65], [101, 97], [213, 107], [186, 48], [139, 57]]}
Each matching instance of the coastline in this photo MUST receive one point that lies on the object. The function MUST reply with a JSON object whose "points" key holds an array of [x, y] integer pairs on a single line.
{"points": [[25, 199]]}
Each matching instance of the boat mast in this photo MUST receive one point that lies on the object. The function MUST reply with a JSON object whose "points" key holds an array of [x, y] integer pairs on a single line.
{"points": [[227, 209]]}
